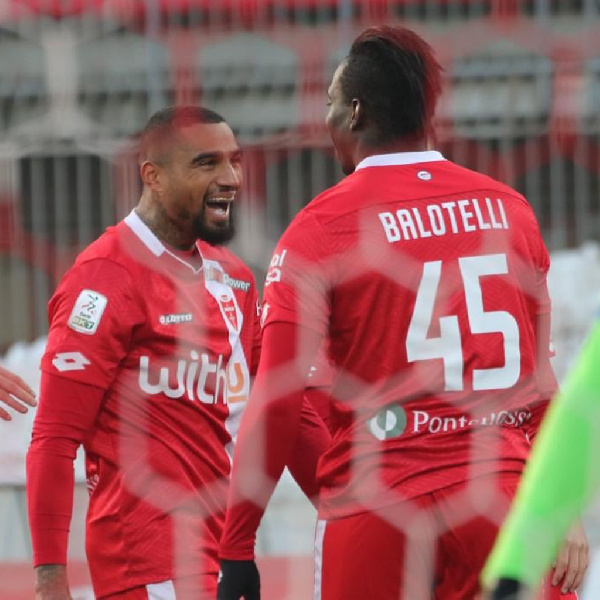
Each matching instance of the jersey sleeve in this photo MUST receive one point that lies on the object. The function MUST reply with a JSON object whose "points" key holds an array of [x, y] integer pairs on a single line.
{"points": [[298, 280], [313, 441], [540, 297], [272, 423], [66, 414], [562, 476], [255, 310], [92, 316]]}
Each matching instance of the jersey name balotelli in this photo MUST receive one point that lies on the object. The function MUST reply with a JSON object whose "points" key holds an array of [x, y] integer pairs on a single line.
{"points": [[429, 282], [173, 344]]}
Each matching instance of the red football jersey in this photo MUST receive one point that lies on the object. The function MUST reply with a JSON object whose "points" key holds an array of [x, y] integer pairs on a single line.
{"points": [[429, 282], [173, 343]]}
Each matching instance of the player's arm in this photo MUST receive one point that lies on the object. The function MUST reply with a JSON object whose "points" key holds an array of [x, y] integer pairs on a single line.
{"points": [[295, 318], [89, 336], [267, 437], [15, 393], [66, 415], [312, 441], [313, 436], [268, 433], [561, 478], [541, 310]]}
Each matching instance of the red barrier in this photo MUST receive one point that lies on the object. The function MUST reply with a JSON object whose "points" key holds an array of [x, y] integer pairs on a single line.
{"points": [[283, 578]]}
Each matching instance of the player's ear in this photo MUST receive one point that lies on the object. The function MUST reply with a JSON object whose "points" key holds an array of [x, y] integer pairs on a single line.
{"points": [[150, 174], [357, 114]]}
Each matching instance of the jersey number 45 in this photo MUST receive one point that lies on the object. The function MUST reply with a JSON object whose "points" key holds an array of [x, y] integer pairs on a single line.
{"points": [[448, 345]]}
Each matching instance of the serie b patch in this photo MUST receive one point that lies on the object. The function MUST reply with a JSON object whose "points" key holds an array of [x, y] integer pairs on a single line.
{"points": [[87, 312]]}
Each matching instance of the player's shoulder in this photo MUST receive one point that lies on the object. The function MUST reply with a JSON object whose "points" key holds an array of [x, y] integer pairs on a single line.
{"points": [[335, 200], [107, 257], [107, 247], [321, 209], [475, 180]]}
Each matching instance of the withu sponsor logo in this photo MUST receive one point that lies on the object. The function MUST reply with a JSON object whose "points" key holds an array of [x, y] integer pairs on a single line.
{"points": [[199, 378]]}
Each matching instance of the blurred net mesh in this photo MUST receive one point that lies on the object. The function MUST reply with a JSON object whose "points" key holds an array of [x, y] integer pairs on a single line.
{"points": [[79, 78]]}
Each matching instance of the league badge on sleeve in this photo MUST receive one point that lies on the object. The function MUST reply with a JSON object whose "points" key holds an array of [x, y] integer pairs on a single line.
{"points": [[87, 312]]}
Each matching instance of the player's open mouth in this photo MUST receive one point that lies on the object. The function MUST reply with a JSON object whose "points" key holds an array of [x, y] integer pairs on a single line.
{"points": [[218, 206]]}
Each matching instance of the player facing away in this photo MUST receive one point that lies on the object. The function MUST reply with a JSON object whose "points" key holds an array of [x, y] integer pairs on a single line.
{"points": [[154, 336], [561, 479], [15, 393], [428, 282]]}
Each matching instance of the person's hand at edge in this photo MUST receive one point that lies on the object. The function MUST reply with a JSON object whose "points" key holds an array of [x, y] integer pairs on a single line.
{"points": [[572, 560], [15, 393]]}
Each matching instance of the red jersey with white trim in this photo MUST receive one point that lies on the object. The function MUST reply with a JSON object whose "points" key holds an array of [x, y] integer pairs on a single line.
{"points": [[173, 344], [429, 281]]}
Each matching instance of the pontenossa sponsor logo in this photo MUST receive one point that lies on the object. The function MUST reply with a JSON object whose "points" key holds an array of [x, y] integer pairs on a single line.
{"points": [[392, 421], [200, 379], [423, 421]]}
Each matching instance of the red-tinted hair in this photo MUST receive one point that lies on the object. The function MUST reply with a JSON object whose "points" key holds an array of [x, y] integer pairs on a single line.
{"points": [[395, 74]]}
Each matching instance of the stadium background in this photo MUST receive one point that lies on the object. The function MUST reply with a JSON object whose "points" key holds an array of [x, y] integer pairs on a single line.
{"points": [[79, 78]]}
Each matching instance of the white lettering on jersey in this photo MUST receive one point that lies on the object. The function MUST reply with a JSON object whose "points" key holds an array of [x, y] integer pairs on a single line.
{"points": [[462, 216], [274, 272], [87, 312], [212, 273], [423, 422], [227, 382], [174, 319], [236, 284], [70, 361]]}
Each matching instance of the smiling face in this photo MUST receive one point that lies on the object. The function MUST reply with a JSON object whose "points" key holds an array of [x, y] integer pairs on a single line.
{"points": [[197, 179]]}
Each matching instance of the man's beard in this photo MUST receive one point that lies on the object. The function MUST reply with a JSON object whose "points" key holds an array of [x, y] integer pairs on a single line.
{"points": [[217, 235]]}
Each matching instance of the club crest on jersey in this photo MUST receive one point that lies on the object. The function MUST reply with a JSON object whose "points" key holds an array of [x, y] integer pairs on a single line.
{"points": [[229, 309], [87, 312]]}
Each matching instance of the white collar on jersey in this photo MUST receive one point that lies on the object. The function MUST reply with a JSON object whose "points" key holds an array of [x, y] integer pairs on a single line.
{"points": [[146, 235], [399, 158]]}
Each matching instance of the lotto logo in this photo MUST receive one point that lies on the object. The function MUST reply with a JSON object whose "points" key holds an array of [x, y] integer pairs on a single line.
{"points": [[70, 361]]}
